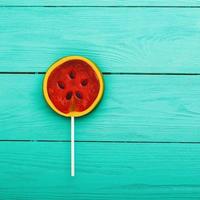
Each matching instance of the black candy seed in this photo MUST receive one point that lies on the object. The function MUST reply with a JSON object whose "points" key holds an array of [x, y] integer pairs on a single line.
{"points": [[69, 95], [72, 75], [61, 85], [84, 82], [79, 95]]}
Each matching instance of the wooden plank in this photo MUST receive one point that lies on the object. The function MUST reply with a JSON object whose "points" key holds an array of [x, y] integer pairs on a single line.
{"points": [[100, 3], [117, 39], [134, 108], [40, 171]]}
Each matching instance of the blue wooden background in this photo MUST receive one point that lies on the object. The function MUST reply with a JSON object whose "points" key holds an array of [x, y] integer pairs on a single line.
{"points": [[142, 141]]}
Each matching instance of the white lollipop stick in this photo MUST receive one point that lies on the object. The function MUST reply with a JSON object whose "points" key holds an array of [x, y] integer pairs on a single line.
{"points": [[72, 148]]}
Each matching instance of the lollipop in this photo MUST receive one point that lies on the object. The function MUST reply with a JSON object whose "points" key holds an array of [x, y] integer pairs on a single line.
{"points": [[72, 87]]}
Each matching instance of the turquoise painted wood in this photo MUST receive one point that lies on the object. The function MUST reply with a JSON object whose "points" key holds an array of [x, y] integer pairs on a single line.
{"points": [[40, 171], [130, 146], [100, 3], [117, 39], [134, 108]]}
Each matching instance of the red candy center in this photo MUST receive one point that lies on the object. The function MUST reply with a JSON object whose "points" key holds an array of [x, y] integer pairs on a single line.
{"points": [[73, 86]]}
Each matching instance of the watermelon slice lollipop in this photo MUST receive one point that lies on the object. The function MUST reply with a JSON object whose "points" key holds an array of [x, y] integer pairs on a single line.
{"points": [[72, 87]]}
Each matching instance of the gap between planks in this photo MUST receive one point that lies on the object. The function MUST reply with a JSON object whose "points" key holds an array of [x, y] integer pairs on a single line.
{"points": [[82, 6], [117, 73], [103, 141]]}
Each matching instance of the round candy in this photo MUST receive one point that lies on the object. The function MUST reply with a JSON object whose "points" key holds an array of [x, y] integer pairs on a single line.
{"points": [[73, 86]]}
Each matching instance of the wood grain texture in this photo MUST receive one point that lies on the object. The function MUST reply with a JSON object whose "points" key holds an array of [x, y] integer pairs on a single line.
{"points": [[99, 3], [134, 108], [117, 39], [138, 109], [40, 171]]}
